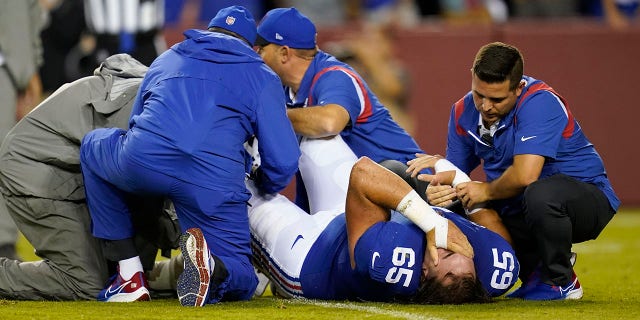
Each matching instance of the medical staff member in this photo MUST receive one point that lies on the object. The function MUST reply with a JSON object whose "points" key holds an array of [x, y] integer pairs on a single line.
{"points": [[326, 96], [197, 105], [544, 176]]}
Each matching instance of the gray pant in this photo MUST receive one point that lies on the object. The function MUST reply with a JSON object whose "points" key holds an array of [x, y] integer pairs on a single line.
{"points": [[73, 267], [8, 96]]}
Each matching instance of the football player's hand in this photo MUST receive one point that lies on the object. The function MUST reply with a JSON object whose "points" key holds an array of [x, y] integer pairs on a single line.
{"points": [[440, 195], [456, 242]]}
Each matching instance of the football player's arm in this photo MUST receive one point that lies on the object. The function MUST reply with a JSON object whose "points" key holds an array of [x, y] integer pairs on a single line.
{"points": [[318, 121], [369, 203], [360, 211], [439, 191], [449, 174]]}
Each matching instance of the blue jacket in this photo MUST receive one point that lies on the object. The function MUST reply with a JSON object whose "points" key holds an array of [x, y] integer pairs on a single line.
{"points": [[199, 102], [540, 123]]}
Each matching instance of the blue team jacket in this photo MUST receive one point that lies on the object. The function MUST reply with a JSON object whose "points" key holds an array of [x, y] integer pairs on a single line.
{"points": [[197, 105], [540, 123]]}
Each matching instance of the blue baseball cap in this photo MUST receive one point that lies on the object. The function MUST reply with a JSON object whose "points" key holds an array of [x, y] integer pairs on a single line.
{"points": [[236, 19], [287, 27]]}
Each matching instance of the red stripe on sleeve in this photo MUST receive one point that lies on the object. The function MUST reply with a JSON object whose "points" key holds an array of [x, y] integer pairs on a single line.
{"points": [[568, 129], [368, 108], [458, 108]]}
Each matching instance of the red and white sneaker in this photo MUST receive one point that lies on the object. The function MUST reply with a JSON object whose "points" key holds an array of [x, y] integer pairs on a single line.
{"points": [[534, 283], [543, 291], [120, 290]]}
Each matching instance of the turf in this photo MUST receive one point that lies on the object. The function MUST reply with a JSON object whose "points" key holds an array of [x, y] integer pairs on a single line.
{"points": [[607, 269]]}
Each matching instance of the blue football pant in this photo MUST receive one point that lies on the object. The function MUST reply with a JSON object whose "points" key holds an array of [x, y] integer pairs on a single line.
{"points": [[109, 176]]}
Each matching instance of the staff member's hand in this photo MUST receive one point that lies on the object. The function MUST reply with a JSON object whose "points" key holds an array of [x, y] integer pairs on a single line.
{"points": [[473, 193], [422, 161]]}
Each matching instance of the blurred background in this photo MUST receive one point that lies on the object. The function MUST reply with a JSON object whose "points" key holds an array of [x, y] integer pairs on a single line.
{"points": [[415, 55]]}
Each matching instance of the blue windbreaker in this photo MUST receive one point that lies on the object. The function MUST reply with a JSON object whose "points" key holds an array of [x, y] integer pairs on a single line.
{"points": [[199, 102]]}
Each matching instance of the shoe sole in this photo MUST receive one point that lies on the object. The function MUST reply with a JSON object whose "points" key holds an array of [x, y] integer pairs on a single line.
{"points": [[193, 283], [574, 294]]}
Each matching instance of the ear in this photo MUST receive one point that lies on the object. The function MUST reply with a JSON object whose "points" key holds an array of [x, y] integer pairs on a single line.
{"points": [[284, 52], [520, 87]]}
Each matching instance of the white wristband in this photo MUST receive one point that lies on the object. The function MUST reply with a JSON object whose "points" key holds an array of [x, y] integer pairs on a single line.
{"points": [[422, 215], [446, 165]]}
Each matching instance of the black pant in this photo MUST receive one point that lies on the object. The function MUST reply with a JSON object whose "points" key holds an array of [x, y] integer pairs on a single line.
{"points": [[557, 212]]}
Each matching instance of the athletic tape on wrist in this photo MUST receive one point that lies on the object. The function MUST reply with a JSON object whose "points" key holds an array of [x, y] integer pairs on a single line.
{"points": [[422, 215], [446, 165], [442, 230]]}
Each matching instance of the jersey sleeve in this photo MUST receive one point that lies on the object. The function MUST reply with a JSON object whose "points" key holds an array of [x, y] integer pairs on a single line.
{"points": [[344, 89], [460, 150], [276, 138], [495, 260], [391, 253], [540, 121]]}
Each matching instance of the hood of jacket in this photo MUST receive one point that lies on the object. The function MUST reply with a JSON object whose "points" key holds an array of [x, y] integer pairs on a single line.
{"points": [[121, 65], [122, 75], [215, 47]]}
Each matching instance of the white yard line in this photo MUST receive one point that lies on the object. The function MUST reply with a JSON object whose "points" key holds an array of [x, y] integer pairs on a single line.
{"points": [[368, 309], [597, 247]]}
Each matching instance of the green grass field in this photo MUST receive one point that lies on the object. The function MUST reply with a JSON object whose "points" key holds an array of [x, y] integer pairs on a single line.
{"points": [[607, 269]]}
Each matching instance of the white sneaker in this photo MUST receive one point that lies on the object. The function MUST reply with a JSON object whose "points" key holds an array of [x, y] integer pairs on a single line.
{"points": [[263, 282]]}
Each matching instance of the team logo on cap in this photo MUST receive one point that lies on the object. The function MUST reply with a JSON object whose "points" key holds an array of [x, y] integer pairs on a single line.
{"points": [[278, 36], [230, 20]]}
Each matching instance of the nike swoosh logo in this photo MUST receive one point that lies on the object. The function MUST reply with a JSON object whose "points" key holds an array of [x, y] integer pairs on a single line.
{"points": [[296, 240], [373, 258], [523, 139], [117, 290], [569, 288]]}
